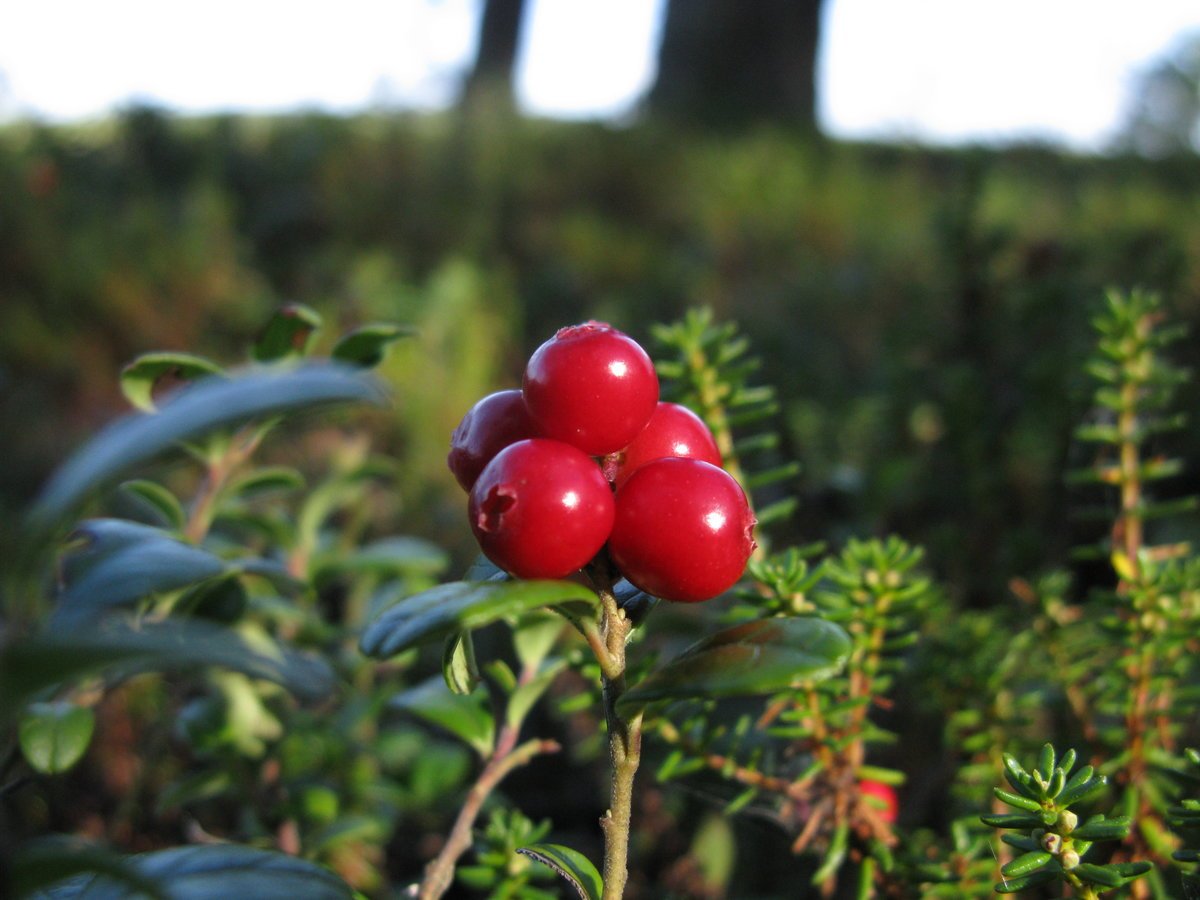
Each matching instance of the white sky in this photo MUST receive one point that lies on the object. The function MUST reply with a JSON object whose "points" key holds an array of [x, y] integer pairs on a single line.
{"points": [[944, 70]]}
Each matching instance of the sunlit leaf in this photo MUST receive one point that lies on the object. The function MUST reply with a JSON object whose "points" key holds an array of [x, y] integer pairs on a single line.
{"points": [[40, 661], [367, 345], [459, 668], [198, 409], [211, 870], [140, 377], [572, 865], [462, 715], [288, 334], [758, 657], [460, 605], [54, 736]]}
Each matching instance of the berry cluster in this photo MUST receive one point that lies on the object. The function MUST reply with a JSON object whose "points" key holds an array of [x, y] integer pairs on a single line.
{"points": [[585, 455]]}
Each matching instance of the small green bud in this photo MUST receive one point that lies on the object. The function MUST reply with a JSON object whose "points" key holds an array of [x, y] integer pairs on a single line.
{"points": [[1067, 820], [1052, 843], [1069, 860]]}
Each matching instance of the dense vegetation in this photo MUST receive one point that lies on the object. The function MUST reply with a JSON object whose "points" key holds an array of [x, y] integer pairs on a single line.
{"points": [[924, 317]]}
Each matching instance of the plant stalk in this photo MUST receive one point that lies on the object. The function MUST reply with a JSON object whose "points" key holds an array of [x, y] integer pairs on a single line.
{"points": [[625, 750]]}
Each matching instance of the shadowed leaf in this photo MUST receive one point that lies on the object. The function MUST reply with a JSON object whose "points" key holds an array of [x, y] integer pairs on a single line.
{"points": [[208, 405], [54, 736], [758, 657], [367, 345], [288, 334], [461, 715], [461, 605], [139, 378]]}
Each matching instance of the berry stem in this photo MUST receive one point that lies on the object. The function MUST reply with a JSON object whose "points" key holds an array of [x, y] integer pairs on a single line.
{"points": [[624, 742]]}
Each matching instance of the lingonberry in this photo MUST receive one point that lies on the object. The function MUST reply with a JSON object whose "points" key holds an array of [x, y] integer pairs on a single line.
{"points": [[882, 798], [592, 387], [541, 509], [683, 530], [489, 426], [673, 430]]}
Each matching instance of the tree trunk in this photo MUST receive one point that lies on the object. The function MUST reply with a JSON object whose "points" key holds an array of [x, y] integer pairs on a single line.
{"points": [[491, 79], [733, 62]]}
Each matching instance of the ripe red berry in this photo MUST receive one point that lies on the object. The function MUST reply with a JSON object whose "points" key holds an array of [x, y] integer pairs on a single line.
{"points": [[683, 530], [489, 426], [541, 509], [673, 430], [888, 806], [591, 386]]}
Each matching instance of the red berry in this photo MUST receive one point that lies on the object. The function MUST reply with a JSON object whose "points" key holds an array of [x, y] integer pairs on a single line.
{"points": [[673, 430], [888, 806], [591, 386], [683, 530], [489, 426], [541, 509]]}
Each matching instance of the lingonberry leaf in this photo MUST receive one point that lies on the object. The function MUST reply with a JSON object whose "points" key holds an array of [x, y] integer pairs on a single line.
{"points": [[123, 562], [54, 736], [211, 870], [288, 333], [155, 503], [40, 661], [461, 604], [464, 716], [572, 865], [758, 657], [140, 378], [367, 345], [201, 408]]}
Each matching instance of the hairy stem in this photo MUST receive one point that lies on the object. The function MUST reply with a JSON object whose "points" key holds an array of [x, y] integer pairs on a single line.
{"points": [[625, 749], [440, 872]]}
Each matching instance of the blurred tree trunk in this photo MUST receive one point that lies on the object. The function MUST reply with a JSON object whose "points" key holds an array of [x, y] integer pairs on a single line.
{"points": [[491, 78], [730, 62]]}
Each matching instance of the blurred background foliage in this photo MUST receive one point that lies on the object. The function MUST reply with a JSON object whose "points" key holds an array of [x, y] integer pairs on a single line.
{"points": [[922, 312]]}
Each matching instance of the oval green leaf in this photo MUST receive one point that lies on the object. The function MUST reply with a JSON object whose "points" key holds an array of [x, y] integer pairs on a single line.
{"points": [[155, 503], [288, 334], [140, 377], [460, 605], [214, 870], [758, 657], [37, 662], [206, 406], [367, 345], [121, 564], [54, 736], [572, 865], [462, 715]]}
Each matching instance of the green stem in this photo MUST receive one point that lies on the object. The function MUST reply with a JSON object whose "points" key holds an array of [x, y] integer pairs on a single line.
{"points": [[625, 749]]}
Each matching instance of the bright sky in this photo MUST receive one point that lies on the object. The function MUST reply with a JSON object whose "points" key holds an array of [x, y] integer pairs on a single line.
{"points": [[945, 70]]}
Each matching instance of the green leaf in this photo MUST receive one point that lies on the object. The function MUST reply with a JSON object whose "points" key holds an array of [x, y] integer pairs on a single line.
{"points": [[758, 657], [534, 637], [123, 562], [1012, 820], [58, 859], [1017, 800], [204, 407], [1105, 876], [162, 505], [367, 345], [527, 694], [1014, 885], [459, 668], [460, 605], [1025, 864], [1101, 829], [572, 865], [139, 378], [266, 479], [288, 334], [462, 716], [384, 558], [214, 870], [41, 661], [54, 736]]}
